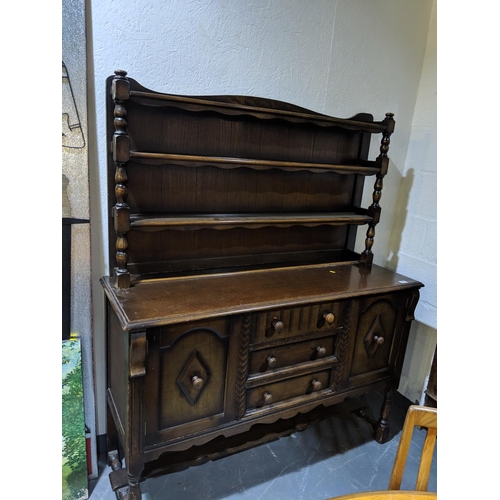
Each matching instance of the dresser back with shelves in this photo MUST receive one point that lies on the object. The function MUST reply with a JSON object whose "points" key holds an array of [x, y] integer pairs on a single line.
{"points": [[234, 183]]}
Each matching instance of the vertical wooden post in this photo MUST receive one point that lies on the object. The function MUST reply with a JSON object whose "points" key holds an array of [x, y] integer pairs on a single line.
{"points": [[382, 426], [242, 373], [121, 156], [374, 210], [340, 376], [134, 435]]}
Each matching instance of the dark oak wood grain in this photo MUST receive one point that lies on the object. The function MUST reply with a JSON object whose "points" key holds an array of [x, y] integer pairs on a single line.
{"points": [[223, 221], [149, 303], [238, 310], [206, 163]]}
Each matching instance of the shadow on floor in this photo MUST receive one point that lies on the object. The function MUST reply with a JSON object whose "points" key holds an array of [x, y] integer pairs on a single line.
{"points": [[334, 457]]}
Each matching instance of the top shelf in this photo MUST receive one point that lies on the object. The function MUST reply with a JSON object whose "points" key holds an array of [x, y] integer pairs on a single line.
{"points": [[234, 108], [124, 88]]}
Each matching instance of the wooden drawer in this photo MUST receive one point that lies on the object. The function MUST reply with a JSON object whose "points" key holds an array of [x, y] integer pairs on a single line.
{"points": [[265, 360], [287, 323], [270, 394]]}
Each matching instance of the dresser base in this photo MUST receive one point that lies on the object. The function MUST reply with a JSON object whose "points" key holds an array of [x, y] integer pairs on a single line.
{"points": [[171, 462]]}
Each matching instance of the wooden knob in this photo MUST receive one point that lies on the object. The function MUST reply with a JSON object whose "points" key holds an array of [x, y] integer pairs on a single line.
{"points": [[316, 385], [320, 351], [278, 325], [378, 340], [329, 317], [271, 362], [197, 382], [268, 397]]}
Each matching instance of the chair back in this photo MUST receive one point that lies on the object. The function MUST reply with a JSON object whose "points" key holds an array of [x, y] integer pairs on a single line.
{"points": [[421, 416]]}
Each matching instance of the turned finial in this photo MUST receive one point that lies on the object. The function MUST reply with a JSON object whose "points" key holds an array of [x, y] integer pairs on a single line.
{"points": [[121, 72], [389, 120]]}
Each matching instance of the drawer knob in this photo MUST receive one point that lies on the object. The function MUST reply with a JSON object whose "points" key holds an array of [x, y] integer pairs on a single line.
{"points": [[316, 385], [197, 382], [329, 317], [271, 362], [278, 325], [268, 397], [378, 340], [320, 351]]}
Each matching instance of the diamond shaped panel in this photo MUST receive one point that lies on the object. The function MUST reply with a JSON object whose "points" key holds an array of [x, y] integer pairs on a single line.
{"points": [[194, 377], [376, 332]]}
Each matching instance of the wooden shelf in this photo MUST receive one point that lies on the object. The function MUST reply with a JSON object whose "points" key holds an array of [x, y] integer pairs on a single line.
{"points": [[361, 167], [224, 221], [239, 263], [298, 115]]}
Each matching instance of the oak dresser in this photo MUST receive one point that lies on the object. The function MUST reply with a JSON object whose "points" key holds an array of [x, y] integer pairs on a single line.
{"points": [[238, 309]]}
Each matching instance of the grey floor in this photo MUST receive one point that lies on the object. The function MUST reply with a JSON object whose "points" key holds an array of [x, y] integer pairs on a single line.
{"points": [[335, 457]]}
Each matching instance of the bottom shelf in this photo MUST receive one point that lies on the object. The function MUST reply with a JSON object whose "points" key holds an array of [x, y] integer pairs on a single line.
{"points": [[231, 265]]}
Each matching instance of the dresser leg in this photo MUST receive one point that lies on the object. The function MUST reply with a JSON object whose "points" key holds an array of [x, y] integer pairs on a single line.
{"points": [[382, 426], [125, 482], [134, 488]]}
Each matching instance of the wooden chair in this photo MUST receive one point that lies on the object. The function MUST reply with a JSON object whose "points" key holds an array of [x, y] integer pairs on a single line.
{"points": [[420, 416]]}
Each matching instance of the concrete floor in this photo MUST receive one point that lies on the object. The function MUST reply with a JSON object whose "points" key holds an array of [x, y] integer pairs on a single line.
{"points": [[335, 457]]}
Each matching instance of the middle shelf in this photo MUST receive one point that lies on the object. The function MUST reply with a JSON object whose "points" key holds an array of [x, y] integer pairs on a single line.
{"points": [[158, 222], [360, 167]]}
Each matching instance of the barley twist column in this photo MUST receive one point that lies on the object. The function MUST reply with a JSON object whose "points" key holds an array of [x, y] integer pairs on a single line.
{"points": [[374, 210], [121, 156]]}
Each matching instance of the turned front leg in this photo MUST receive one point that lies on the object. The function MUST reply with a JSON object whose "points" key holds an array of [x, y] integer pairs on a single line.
{"points": [[382, 425], [134, 487]]}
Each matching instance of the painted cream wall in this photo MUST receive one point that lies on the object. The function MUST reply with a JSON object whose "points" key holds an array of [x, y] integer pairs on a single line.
{"points": [[336, 57], [413, 243]]}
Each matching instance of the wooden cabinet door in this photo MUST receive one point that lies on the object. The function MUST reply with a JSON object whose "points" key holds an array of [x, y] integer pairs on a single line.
{"points": [[187, 379], [379, 328]]}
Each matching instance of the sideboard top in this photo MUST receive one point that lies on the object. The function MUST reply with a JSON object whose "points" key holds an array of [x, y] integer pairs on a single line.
{"points": [[166, 301]]}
